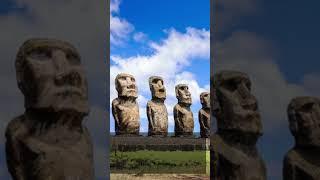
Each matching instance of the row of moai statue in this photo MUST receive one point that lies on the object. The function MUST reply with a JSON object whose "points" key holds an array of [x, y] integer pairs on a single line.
{"points": [[234, 154], [125, 109]]}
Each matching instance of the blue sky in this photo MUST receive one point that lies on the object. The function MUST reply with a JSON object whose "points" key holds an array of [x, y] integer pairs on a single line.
{"points": [[170, 39]]}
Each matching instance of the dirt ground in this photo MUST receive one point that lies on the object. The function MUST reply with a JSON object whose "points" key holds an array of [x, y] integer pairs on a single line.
{"points": [[158, 177]]}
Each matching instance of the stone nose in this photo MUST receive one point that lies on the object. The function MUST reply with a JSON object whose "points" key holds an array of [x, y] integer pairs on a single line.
{"points": [[244, 92], [187, 93], [159, 83], [60, 62]]}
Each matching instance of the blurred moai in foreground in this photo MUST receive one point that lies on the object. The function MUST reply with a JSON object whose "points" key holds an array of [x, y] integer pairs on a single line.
{"points": [[183, 116], [125, 109], [156, 109], [234, 149], [204, 115], [49, 141], [303, 160]]}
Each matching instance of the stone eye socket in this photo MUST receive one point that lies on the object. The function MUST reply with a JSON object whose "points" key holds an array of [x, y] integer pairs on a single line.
{"points": [[231, 85], [40, 54], [72, 58], [133, 80], [156, 81], [307, 107]]}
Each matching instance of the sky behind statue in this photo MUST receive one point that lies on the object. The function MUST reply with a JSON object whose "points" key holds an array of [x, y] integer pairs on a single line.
{"points": [[171, 41]]}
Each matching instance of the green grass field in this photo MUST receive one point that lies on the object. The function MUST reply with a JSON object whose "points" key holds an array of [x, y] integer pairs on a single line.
{"points": [[190, 162]]}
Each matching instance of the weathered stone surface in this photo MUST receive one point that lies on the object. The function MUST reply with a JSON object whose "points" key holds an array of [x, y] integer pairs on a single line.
{"points": [[183, 116], [303, 160], [156, 109], [125, 109], [204, 115], [49, 141], [234, 154]]}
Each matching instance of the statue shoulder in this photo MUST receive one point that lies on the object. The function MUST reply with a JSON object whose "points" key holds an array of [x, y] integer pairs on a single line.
{"points": [[115, 102], [16, 127], [177, 106]]}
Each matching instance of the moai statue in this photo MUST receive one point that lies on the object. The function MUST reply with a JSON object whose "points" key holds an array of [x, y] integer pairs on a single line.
{"points": [[204, 115], [234, 153], [303, 160], [156, 109], [48, 141], [183, 116], [125, 109]]}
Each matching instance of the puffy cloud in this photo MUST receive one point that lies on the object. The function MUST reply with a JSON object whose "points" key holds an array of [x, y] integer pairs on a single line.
{"points": [[119, 27], [228, 12], [249, 53], [140, 37]]}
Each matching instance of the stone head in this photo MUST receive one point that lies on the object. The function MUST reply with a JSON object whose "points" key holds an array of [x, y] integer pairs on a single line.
{"points": [[183, 95], [51, 77], [237, 107], [205, 99], [157, 87], [304, 120], [126, 86]]}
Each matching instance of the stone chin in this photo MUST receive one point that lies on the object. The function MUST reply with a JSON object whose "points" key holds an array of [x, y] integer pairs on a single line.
{"points": [[129, 94], [311, 140], [249, 122], [160, 95], [187, 101]]}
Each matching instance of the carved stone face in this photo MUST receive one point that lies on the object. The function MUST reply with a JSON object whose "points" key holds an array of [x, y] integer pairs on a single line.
{"points": [[157, 88], [51, 77], [304, 120], [126, 85], [182, 93], [238, 109], [205, 99]]}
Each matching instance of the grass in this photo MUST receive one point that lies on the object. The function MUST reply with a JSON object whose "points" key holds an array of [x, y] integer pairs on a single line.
{"points": [[140, 162]]}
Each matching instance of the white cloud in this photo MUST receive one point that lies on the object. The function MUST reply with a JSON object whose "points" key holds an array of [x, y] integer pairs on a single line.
{"points": [[249, 53], [169, 59], [114, 6], [228, 12], [140, 37], [119, 27]]}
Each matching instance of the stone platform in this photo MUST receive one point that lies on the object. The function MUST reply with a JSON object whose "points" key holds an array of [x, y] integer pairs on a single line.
{"points": [[136, 143]]}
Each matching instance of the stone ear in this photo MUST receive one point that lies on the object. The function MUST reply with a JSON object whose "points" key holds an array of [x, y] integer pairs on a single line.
{"points": [[215, 105], [293, 124]]}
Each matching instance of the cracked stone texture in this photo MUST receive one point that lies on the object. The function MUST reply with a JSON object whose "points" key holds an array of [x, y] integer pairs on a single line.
{"points": [[303, 161], [125, 109], [49, 141], [183, 116], [156, 110], [233, 152], [204, 115]]}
